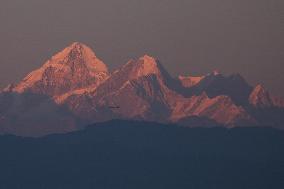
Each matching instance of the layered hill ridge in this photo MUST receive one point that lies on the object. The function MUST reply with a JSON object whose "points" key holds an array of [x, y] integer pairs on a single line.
{"points": [[78, 86]]}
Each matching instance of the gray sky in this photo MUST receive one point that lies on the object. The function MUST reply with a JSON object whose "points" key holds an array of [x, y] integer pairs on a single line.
{"points": [[188, 36]]}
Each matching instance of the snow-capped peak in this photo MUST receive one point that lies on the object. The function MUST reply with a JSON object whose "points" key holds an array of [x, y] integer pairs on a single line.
{"points": [[144, 66], [259, 92], [81, 52], [148, 59], [147, 65], [214, 73], [259, 89], [189, 81], [260, 97], [73, 68]]}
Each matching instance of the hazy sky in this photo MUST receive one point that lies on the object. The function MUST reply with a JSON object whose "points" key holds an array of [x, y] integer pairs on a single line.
{"points": [[188, 36]]}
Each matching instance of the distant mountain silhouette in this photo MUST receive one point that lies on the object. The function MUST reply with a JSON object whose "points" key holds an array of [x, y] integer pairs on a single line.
{"points": [[76, 82], [128, 154]]}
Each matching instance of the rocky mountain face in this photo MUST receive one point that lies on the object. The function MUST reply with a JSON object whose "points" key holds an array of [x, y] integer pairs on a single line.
{"points": [[261, 98], [138, 88], [74, 88], [189, 81], [216, 84], [75, 67]]}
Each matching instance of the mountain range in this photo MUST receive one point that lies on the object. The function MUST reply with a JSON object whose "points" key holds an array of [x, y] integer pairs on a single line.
{"points": [[75, 88]]}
